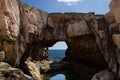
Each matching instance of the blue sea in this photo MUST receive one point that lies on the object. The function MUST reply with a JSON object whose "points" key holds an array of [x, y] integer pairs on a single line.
{"points": [[57, 55]]}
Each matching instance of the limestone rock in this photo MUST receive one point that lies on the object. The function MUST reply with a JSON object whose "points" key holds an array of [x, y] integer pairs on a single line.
{"points": [[77, 29], [2, 55], [10, 30], [45, 65], [116, 39], [104, 75], [33, 69], [110, 17], [27, 32], [113, 18], [115, 9], [9, 73], [34, 21], [58, 26], [9, 19], [76, 24]]}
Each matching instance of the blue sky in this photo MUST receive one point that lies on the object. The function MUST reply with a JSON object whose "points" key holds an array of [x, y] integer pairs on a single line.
{"points": [[59, 45], [97, 6], [84, 6]]}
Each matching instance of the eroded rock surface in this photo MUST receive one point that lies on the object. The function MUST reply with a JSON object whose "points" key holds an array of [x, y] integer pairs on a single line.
{"points": [[92, 40], [10, 29], [113, 18], [104, 75], [9, 73]]}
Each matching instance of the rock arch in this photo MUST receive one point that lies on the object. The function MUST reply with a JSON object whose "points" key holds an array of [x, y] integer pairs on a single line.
{"points": [[27, 31]]}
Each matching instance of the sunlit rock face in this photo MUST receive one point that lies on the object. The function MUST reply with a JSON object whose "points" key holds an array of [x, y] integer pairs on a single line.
{"points": [[9, 73], [115, 9], [34, 22], [9, 19], [114, 28], [10, 29]]}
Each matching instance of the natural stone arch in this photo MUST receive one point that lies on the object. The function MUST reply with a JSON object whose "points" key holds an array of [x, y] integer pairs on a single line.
{"points": [[25, 31]]}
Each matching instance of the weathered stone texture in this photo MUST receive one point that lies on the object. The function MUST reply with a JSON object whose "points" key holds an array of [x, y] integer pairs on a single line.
{"points": [[2, 56], [9, 73], [9, 19], [92, 39], [34, 21], [113, 19], [104, 75], [9, 29], [115, 9], [59, 27], [33, 69]]}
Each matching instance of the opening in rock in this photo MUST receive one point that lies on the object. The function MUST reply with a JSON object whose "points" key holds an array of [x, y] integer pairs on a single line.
{"points": [[58, 77], [57, 51]]}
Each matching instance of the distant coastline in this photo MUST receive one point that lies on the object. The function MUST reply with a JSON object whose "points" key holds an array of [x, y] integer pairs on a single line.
{"points": [[57, 54]]}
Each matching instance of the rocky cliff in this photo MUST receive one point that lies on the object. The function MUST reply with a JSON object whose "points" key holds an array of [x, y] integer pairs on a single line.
{"points": [[93, 40]]}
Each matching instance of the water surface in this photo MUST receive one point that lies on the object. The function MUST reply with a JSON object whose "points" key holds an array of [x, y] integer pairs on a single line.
{"points": [[57, 55], [58, 77], [66, 74]]}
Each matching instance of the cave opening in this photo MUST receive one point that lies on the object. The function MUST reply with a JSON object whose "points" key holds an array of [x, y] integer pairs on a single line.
{"points": [[57, 51], [58, 76]]}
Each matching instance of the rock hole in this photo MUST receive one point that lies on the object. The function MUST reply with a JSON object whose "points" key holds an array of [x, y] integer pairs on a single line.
{"points": [[58, 77], [27, 11], [57, 51]]}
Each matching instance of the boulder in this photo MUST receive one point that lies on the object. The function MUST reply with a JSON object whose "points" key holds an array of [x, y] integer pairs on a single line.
{"points": [[9, 73], [104, 75], [34, 69]]}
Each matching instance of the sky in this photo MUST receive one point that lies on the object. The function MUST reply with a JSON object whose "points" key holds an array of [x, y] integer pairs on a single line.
{"points": [[80, 6], [59, 45], [97, 6]]}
